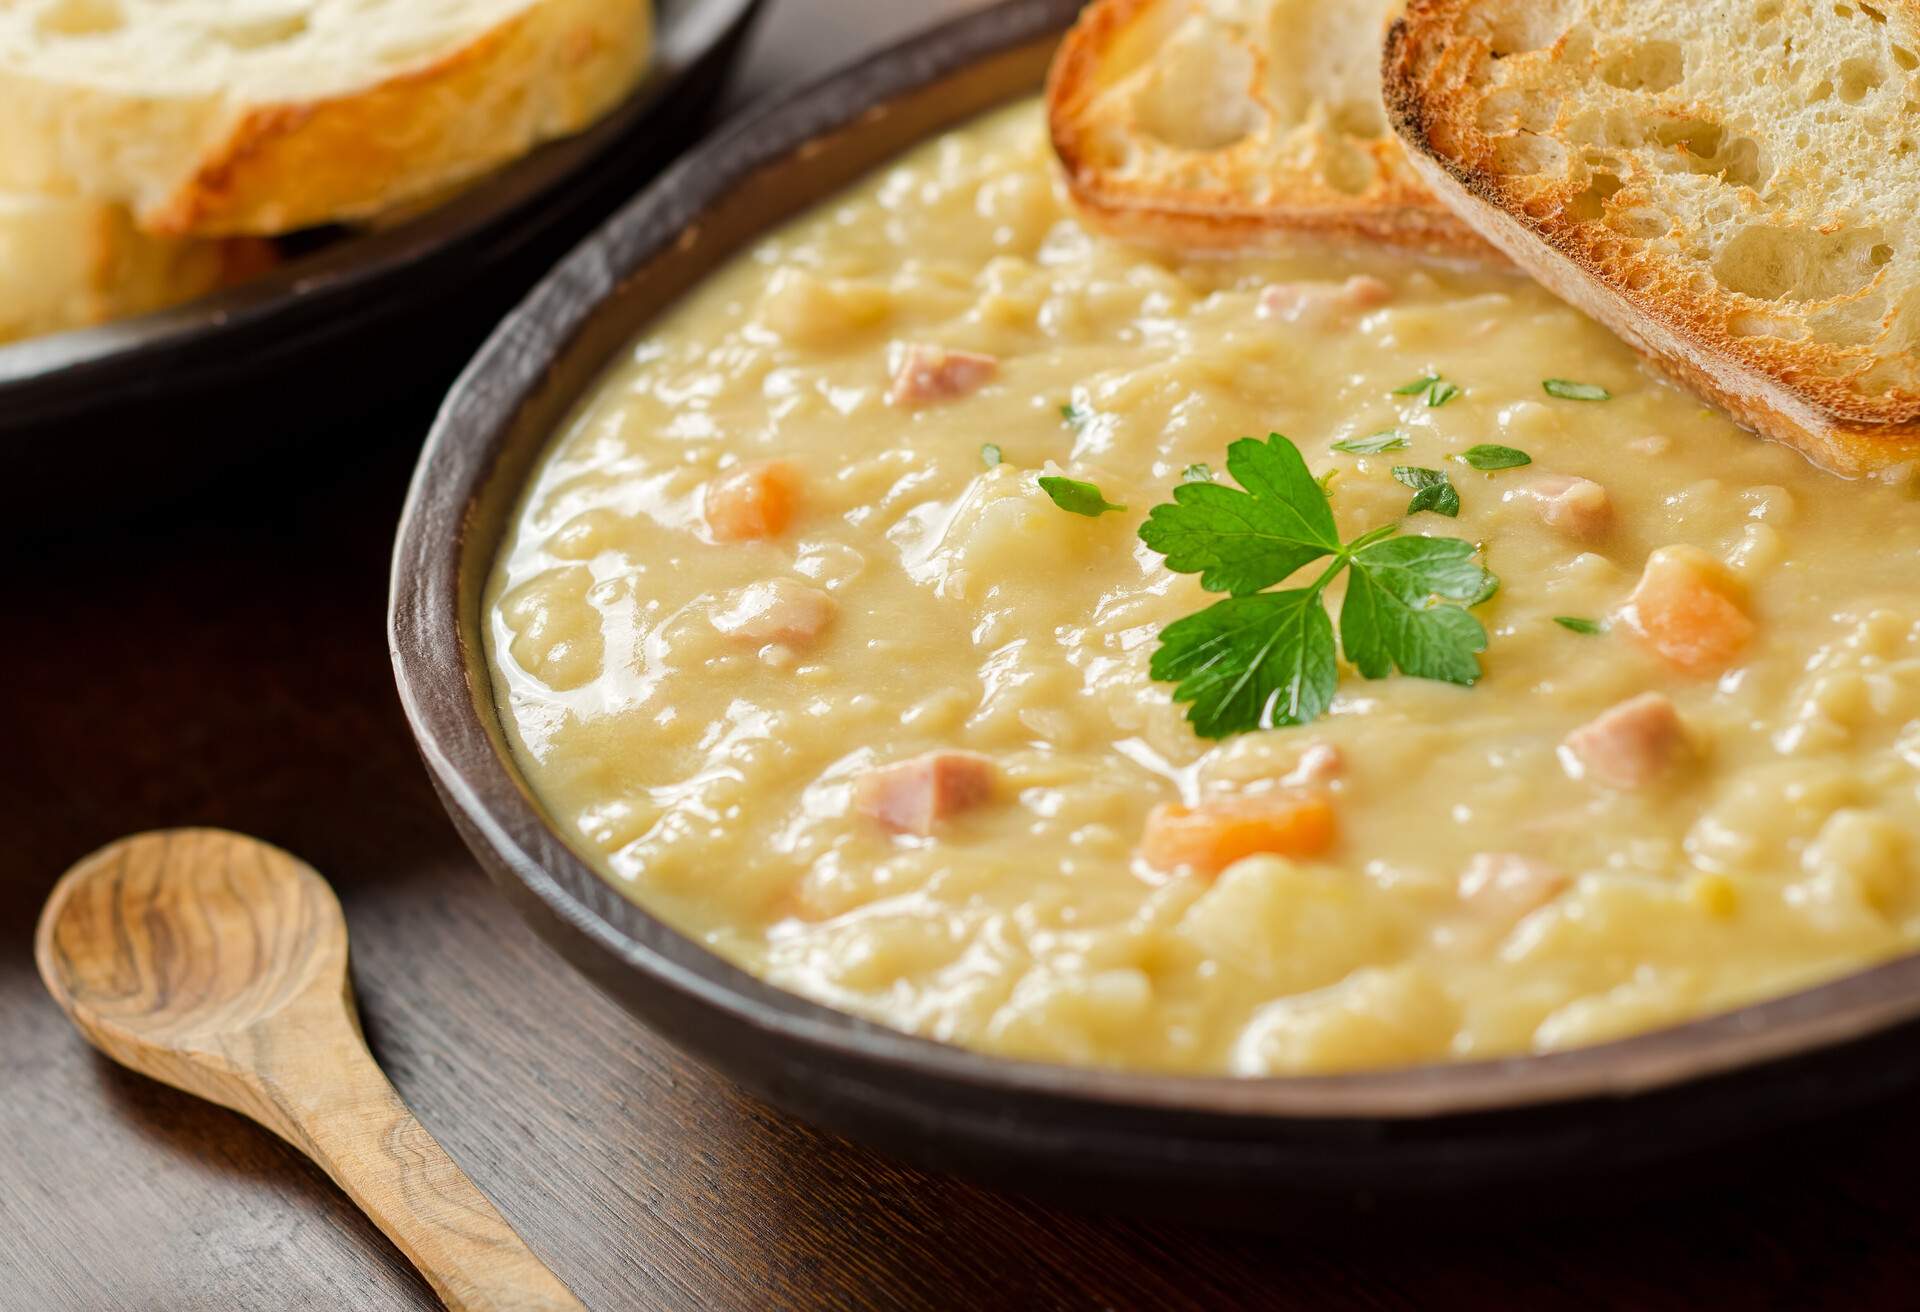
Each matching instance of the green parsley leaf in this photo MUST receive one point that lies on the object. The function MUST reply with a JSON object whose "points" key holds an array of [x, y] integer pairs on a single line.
{"points": [[1567, 391], [1197, 473], [1240, 542], [1389, 440], [1432, 490], [1488, 456], [1579, 625], [1074, 415], [1487, 593], [1266, 659], [1394, 616], [1259, 662], [1076, 496], [1441, 393], [989, 455], [1417, 386]]}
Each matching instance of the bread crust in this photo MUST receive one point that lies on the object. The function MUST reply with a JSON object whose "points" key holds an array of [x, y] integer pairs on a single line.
{"points": [[1678, 326], [208, 166], [1249, 198]]}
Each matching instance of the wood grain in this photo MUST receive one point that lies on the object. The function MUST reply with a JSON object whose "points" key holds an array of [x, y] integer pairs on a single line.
{"points": [[218, 964], [220, 663]]}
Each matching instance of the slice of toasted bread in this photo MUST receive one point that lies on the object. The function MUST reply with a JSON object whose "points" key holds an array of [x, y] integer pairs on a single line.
{"points": [[71, 264], [1733, 188], [1220, 125], [214, 117]]}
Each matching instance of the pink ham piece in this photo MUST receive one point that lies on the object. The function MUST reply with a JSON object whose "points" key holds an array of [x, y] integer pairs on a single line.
{"points": [[1502, 886], [913, 796], [927, 374], [1577, 507], [776, 610], [1320, 304], [1627, 746]]}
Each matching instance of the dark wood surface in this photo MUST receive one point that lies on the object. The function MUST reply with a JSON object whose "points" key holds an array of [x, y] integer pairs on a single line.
{"points": [[222, 662]]}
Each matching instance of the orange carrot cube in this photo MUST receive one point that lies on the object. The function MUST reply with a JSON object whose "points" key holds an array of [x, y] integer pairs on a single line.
{"points": [[750, 502], [1208, 838], [1685, 608]]}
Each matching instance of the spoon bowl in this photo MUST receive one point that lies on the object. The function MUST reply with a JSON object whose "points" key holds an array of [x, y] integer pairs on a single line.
{"points": [[174, 943], [218, 964]]}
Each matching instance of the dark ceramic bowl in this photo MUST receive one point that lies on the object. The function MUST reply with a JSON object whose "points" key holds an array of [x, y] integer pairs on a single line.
{"points": [[1231, 1148], [136, 408]]}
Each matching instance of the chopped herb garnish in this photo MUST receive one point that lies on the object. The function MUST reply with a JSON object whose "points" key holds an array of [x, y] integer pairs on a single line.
{"points": [[1579, 625], [1263, 659], [1432, 490], [1074, 415], [1388, 440], [1197, 473], [1326, 481], [989, 455], [1567, 391], [1487, 593], [1488, 456], [1438, 390], [1076, 496]]}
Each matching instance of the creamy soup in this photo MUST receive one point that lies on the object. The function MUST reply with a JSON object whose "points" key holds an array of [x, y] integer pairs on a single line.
{"points": [[797, 649]]}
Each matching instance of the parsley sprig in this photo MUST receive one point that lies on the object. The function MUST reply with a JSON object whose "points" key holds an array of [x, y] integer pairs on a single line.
{"points": [[1261, 659]]}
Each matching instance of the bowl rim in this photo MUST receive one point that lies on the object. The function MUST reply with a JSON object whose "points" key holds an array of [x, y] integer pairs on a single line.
{"points": [[318, 283], [445, 690]]}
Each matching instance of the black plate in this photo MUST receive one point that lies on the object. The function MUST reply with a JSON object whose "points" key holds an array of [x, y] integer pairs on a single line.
{"points": [[1251, 1151], [144, 406]]}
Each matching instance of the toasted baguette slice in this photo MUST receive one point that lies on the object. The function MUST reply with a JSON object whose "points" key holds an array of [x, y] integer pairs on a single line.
{"points": [[1733, 188], [71, 264], [214, 117], [1220, 125]]}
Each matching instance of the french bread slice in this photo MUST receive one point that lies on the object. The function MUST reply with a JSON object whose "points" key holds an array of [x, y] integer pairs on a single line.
{"points": [[71, 264], [1220, 125], [1734, 188], [216, 117]]}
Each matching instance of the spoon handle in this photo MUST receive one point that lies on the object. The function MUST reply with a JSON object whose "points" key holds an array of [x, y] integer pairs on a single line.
{"points": [[349, 1119]]}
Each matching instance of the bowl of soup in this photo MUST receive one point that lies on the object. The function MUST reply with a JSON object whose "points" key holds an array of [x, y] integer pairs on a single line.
{"points": [[805, 608]]}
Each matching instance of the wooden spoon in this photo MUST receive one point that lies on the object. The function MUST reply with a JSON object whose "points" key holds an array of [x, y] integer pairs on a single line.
{"points": [[218, 964]]}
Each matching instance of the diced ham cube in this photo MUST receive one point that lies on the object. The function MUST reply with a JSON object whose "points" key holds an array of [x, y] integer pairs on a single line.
{"points": [[1627, 746], [913, 796], [1684, 608], [1320, 304], [926, 374], [1502, 886], [749, 502], [1577, 507], [777, 610]]}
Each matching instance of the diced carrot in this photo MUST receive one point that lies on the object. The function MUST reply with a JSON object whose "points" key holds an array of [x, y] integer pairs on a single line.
{"points": [[1210, 837], [751, 501], [1685, 609]]}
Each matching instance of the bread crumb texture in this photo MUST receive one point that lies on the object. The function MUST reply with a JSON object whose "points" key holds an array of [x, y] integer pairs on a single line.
{"points": [[1209, 123], [1747, 170]]}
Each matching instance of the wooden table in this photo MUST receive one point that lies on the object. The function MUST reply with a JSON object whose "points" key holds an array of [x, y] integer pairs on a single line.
{"points": [[213, 665]]}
